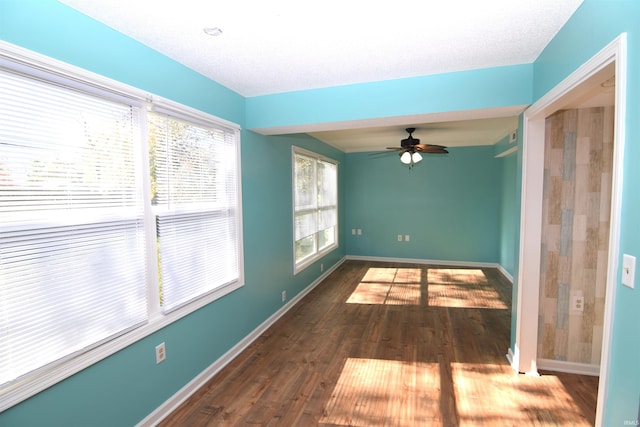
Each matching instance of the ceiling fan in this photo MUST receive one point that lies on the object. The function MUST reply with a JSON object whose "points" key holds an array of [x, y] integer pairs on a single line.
{"points": [[410, 149]]}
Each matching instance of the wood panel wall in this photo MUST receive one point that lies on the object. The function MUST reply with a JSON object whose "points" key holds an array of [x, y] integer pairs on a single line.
{"points": [[575, 233]]}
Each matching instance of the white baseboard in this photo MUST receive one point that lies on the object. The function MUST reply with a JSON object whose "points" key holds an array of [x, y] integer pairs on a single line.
{"points": [[423, 261], [568, 367], [512, 360], [556, 366], [505, 273], [201, 379]]}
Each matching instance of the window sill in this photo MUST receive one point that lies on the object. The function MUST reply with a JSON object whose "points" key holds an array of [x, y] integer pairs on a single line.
{"points": [[297, 268]]}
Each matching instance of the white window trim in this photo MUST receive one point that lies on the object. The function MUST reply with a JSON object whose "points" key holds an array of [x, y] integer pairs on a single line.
{"points": [[19, 59], [298, 267]]}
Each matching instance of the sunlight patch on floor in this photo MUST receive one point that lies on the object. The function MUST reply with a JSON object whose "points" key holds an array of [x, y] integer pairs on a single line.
{"points": [[370, 387], [393, 275], [409, 394], [489, 394], [445, 287], [451, 295], [391, 286], [385, 293], [462, 288], [457, 275]]}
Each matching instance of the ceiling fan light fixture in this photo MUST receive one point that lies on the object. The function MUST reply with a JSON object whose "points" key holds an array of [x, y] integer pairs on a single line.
{"points": [[416, 157], [406, 158]]}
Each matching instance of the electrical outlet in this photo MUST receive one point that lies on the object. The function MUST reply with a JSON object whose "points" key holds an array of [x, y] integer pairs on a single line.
{"points": [[321, 268], [284, 296], [577, 304], [359, 231], [161, 353], [407, 238], [353, 231], [628, 270], [399, 237]]}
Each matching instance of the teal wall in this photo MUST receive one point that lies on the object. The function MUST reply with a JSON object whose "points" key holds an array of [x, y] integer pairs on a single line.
{"points": [[594, 25], [467, 90], [448, 204], [509, 218], [127, 386]]}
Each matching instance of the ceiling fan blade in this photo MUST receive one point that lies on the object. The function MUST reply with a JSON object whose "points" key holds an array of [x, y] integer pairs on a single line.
{"points": [[433, 151], [429, 146], [381, 153]]}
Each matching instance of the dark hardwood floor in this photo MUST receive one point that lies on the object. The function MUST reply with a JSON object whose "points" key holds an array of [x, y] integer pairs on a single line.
{"points": [[379, 344]]}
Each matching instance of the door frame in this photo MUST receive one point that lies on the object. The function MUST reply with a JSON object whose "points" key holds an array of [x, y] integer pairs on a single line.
{"points": [[524, 353]]}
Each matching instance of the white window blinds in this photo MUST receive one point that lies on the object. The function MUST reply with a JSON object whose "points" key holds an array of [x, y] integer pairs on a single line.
{"points": [[71, 223], [194, 195], [315, 197]]}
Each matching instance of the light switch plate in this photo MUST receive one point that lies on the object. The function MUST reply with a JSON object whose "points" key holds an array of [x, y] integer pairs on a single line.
{"points": [[628, 270]]}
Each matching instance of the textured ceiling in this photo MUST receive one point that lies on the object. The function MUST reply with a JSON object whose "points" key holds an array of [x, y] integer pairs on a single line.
{"points": [[279, 46]]}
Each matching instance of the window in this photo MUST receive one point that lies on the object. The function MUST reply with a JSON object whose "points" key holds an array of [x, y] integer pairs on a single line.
{"points": [[71, 223], [114, 220], [315, 200], [193, 194]]}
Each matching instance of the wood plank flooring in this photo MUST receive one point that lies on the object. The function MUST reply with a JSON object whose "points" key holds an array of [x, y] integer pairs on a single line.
{"points": [[378, 344]]}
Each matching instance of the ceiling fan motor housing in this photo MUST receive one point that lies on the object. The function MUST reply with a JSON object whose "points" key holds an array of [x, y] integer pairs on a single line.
{"points": [[410, 141]]}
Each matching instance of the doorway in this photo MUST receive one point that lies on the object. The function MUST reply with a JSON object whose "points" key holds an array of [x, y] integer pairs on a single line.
{"points": [[576, 216], [524, 355]]}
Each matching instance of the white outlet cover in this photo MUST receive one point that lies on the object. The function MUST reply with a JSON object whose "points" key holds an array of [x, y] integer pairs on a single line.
{"points": [[628, 270], [161, 353]]}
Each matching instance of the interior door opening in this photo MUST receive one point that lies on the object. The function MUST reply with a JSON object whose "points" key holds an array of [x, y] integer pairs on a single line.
{"points": [[578, 87]]}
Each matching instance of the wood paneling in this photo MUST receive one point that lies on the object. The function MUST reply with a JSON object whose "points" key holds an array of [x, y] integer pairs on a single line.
{"points": [[575, 233], [399, 345]]}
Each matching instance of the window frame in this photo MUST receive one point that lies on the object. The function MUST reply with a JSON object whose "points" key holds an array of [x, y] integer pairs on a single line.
{"points": [[301, 265], [161, 211], [20, 60]]}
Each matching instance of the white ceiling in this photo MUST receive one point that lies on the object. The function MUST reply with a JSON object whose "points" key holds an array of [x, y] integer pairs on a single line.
{"points": [[279, 46]]}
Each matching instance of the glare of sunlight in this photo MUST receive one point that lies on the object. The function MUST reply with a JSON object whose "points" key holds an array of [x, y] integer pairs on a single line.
{"points": [[380, 275], [488, 394], [457, 275], [391, 286], [462, 288], [368, 388]]}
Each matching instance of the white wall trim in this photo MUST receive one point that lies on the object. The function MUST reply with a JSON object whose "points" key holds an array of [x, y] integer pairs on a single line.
{"points": [[505, 273], [569, 367], [201, 379], [525, 346], [510, 356]]}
